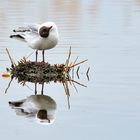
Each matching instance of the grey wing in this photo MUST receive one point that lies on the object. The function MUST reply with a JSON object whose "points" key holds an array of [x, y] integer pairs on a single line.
{"points": [[34, 28], [16, 103], [22, 32], [29, 28]]}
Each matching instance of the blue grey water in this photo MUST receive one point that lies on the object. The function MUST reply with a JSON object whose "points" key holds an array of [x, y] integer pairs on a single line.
{"points": [[107, 33]]}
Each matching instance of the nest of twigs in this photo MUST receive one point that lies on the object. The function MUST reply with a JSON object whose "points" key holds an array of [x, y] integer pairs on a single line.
{"points": [[28, 71], [39, 72]]}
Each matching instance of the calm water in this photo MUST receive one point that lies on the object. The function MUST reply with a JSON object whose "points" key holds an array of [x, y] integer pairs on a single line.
{"points": [[107, 33]]}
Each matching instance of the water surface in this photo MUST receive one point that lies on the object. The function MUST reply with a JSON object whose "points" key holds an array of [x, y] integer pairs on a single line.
{"points": [[106, 32]]}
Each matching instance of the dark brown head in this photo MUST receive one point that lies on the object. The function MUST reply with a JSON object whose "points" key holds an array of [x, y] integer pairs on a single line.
{"points": [[44, 31], [42, 115]]}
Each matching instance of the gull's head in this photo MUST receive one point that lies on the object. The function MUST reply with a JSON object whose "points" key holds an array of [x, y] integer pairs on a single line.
{"points": [[47, 28], [43, 117]]}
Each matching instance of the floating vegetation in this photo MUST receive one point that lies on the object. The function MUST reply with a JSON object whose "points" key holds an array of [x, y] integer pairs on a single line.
{"points": [[40, 72], [43, 72]]}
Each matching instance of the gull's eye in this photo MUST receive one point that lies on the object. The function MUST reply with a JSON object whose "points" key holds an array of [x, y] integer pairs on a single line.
{"points": [[45, 30]]}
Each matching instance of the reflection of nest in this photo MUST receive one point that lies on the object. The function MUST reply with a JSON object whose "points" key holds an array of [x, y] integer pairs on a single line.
{"points": [[38, 72]]}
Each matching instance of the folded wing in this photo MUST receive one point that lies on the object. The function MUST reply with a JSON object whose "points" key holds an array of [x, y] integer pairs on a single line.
{"points": [[21, 33]]}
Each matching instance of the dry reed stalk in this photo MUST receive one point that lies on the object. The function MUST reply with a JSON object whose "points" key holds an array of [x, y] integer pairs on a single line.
{"points": [[78, 63], [12, 62]]}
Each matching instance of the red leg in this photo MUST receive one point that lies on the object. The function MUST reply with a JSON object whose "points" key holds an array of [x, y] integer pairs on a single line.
{"points": [[43, 51], [36, 55], [42, 88], [35, 88]]}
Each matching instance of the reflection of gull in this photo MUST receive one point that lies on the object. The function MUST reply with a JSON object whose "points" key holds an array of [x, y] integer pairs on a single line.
{"points": [[39, 37], [40, 107]]}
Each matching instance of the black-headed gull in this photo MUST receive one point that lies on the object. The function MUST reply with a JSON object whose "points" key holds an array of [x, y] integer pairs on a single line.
{"points": [[39, 36], [40, 108]]}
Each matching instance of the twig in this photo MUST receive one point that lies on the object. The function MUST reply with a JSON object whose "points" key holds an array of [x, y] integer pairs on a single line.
{"points": [[12, 62], [70, 82], [68, 92], [70, 64], [73, 67], [29, 55], [8, 85], [66, 89], [68, 100], [28, 87], [78, 63], [75, 60], [67, 61], [24, 58], [78, 83], [74, 86], [65, 85]]}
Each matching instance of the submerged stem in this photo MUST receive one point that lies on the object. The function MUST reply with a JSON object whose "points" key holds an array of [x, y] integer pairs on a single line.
{"points": [[8, 85]]}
